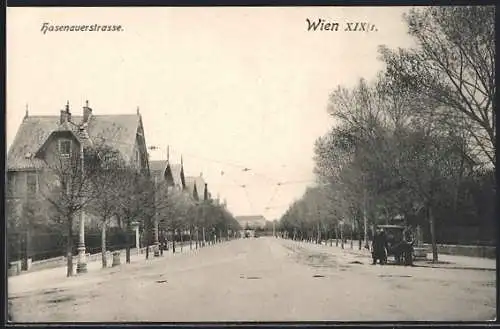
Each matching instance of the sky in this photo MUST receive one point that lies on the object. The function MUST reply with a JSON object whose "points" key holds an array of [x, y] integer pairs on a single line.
{"points": [[227, 88]]}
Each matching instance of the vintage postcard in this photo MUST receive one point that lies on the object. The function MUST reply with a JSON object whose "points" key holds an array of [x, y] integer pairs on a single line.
{"points": [[228, 164]]}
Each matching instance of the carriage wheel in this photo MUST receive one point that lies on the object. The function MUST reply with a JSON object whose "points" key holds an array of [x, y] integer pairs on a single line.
{"points": [[408, 258]]}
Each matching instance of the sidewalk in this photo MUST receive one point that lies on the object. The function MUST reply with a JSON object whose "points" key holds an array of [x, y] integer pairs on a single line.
{"points": [[56, 277], [460, 262], [445, 261]]}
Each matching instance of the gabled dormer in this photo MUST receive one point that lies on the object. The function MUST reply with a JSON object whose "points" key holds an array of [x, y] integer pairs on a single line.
{"points": [[63, 143], [169, 176], [183, 178]]}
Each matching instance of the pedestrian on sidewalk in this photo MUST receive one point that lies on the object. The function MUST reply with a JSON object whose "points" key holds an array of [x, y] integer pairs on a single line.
{"points": [[379, 247]]}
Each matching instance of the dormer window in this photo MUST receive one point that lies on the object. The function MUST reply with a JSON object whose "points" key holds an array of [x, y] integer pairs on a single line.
{"points": [[64, 147], [11, 183]]}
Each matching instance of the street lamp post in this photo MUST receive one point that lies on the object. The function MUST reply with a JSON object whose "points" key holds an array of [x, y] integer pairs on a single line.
{"points": [[81, 267]]}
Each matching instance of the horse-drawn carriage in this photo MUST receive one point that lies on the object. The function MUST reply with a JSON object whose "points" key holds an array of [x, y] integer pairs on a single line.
{"points": [[399, 243]]}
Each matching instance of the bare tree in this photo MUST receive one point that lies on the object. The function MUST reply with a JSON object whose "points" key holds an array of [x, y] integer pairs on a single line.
{"points": [[172, 207], [382, 158], [106, 185], [135, 202], [454, 64], [67, 186]]}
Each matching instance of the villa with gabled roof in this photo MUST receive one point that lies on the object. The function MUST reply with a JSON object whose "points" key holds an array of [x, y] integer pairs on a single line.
{"points": [[197, 188], [41, 140], [172, 173]]}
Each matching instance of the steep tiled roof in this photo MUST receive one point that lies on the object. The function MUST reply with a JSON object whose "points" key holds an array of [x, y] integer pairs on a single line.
{"points": [[30, 136], [157, 166], [200, 187], [199, 182], [176, 173], [190, 183], [116, 131]]}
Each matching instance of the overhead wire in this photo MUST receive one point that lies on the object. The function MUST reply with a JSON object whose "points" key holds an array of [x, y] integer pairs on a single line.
{"points": [[272, 196], [225, 163], [271, 181]]}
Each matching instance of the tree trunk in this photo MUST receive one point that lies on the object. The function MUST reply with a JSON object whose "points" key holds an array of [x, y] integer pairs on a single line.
{"points": [[190, 239], [336, 236], [197, 237], [360, 242], [352, 239], [127, 248], [162, 241], [182, 238], [433, 236], [103, 245], [173, 241], [69, 248], [342, 236], [146, 238], [203, 237]]}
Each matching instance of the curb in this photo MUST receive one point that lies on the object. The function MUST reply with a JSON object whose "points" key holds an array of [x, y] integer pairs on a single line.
{"points": [[454, 266]]}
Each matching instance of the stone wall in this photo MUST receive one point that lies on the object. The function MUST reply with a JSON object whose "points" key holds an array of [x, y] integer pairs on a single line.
{"points": [[462, 250]]}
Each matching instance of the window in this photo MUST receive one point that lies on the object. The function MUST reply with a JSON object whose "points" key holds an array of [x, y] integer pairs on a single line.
{"points": [[138, 158], [11, 183], [65, 147], [31, 182]]}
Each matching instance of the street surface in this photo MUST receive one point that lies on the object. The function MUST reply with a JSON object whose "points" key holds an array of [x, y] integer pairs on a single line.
{"points": [[258, 279]]}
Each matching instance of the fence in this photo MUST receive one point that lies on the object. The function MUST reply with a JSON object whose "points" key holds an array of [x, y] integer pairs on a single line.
{"points": [[61, 261], [45, 245]]}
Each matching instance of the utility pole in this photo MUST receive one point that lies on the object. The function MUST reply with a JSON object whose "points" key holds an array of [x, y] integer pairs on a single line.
{"points": [[203, 228], [81, 267], [155, 227], [27, 213]]}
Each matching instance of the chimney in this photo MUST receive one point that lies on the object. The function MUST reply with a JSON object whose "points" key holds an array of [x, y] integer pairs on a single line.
{"points": [[87, 112], [65, 114], [205, 193]]}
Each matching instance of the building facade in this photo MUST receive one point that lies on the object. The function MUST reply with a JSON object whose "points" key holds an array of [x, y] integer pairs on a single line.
{"points": [[42, 143]]}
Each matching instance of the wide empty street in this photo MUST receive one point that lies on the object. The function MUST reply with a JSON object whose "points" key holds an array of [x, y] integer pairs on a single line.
{"points": [[256, 279]]}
